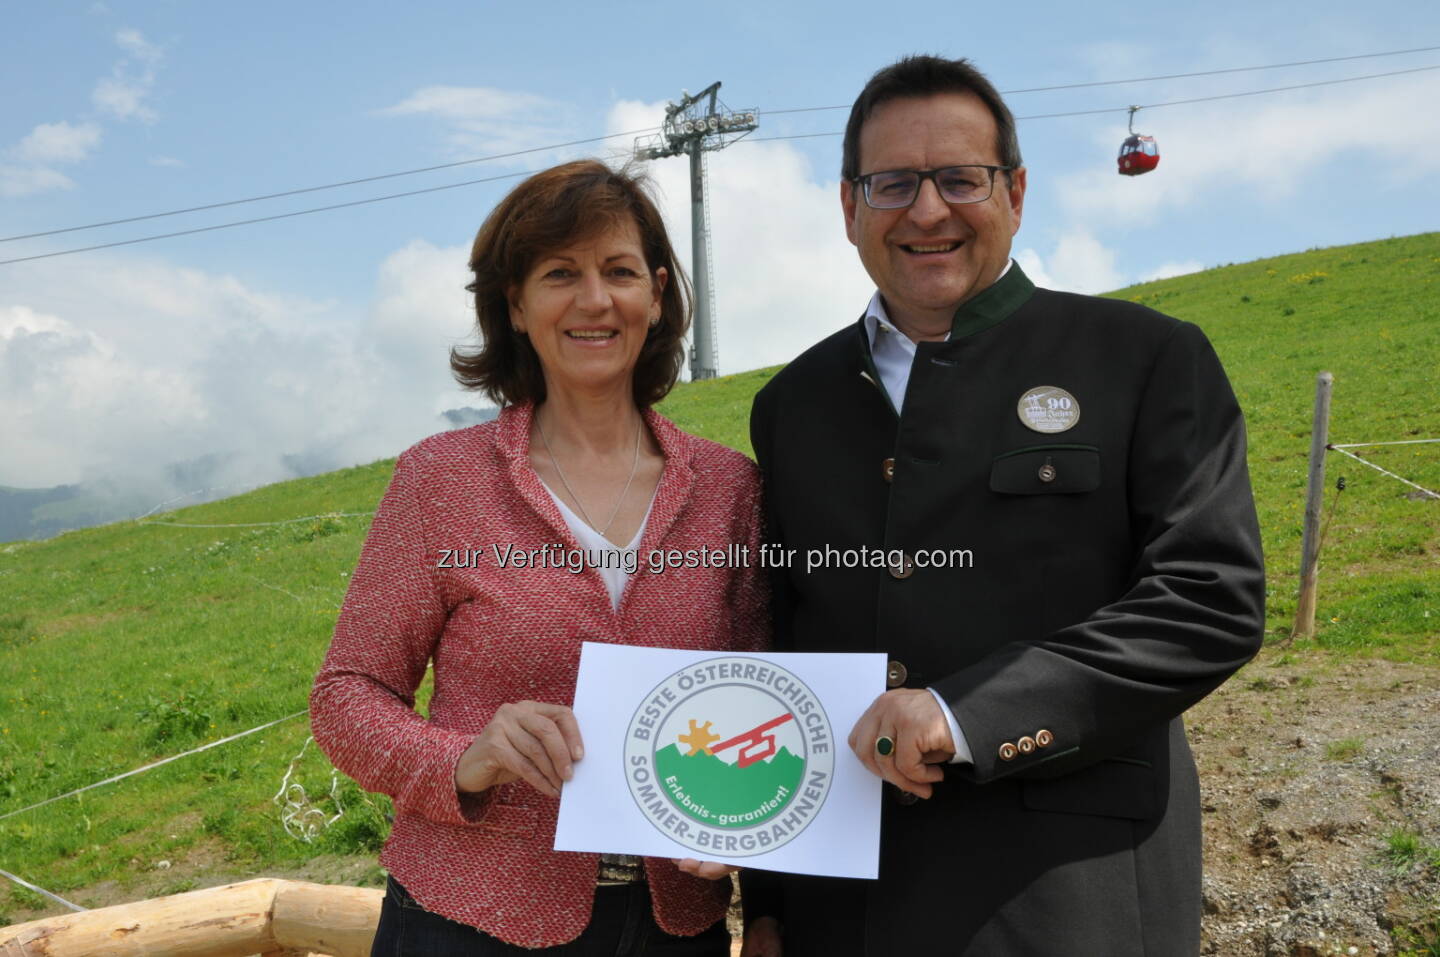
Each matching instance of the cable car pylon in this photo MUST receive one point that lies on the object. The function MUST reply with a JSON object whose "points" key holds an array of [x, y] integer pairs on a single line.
{"points": [[695, 127]]}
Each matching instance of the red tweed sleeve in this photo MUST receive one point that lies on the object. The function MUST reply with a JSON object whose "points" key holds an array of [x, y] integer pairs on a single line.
{"points": [[362, 706]]}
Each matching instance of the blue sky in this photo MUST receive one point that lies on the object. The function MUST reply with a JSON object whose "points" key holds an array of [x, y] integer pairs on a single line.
{"points": [[326, 334]]}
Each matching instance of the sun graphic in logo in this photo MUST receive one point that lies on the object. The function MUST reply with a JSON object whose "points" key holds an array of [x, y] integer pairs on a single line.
{"points": [[699, 739]]}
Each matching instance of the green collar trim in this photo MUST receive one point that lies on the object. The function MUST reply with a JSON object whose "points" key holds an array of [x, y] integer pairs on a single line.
{"points": [[993, 305]]}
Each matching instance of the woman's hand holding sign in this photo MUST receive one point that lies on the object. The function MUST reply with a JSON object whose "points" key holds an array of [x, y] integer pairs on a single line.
{"points": [[529, 741]]}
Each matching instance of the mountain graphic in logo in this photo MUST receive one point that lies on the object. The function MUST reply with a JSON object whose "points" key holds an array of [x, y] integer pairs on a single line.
{"points": [[737, 796]]}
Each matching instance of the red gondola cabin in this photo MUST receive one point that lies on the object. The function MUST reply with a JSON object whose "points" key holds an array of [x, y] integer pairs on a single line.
{"points": [[1138, 154]]}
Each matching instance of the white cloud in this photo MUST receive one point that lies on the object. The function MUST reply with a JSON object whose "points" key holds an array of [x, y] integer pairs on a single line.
{"points": [[62, 385], [34, 156], [123, 99], [471, 103], [786, 276], [167, 161], [128, 366], [133, 42], [485, 120], [18, 321], [18, 181], [123, 94], [58, 143], [1078, 263], [1034, 267], [421, 310]]}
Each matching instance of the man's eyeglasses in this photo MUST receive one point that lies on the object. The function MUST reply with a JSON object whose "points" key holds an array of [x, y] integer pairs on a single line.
{"points": [[958, 185]]}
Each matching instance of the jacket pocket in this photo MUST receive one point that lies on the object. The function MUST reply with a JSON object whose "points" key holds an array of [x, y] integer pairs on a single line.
{"points": [[1114, 788], [1046, 470]]}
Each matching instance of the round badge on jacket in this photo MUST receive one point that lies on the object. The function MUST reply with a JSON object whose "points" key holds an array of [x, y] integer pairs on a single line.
{"points": [[731, 756], [1048, 408]]}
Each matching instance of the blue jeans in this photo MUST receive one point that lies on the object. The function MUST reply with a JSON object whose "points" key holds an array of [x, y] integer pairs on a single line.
{"points": [[621, 925]]}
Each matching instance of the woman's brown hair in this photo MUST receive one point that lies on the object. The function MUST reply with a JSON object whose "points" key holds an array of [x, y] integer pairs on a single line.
{"points": [[553, 209]]}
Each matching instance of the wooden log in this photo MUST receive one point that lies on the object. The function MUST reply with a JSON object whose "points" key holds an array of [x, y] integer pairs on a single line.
{"points": [[326, 918], [263, 916], [228, 921]]}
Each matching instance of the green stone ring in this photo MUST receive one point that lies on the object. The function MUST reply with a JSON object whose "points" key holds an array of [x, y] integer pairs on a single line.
{"points": [[884, 745]]}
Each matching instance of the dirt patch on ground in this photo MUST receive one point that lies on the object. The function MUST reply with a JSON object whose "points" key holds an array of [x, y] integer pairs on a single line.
{"points": [[1312, 773]]}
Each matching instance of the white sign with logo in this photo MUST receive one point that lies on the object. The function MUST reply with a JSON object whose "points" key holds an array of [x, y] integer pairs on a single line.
{"points": [[733, 757]]}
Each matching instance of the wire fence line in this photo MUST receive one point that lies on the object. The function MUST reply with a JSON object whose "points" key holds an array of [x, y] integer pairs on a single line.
{"points": [[1361, 445], [152, 765], [296, 819], [286, 591], [212, 744], [199, 491], [1345, 450], [286, 521], [40, 890], [300, 816]]}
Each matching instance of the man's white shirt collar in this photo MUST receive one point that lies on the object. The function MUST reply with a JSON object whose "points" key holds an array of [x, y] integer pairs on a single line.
{"points": [[892, 350]]}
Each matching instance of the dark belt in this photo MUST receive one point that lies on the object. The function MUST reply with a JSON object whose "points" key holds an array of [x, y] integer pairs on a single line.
{"points": [[620, 869]]}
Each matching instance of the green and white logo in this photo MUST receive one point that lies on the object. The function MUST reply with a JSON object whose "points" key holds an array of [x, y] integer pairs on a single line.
{"points": [[730, 756]]}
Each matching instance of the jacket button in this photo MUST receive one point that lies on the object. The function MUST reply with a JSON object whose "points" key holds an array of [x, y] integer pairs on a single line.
{"points": [[896, 673], [1043, 738], [903, 568], [887, 470], [1047, 472], [1026, 744], [1008, 752]]}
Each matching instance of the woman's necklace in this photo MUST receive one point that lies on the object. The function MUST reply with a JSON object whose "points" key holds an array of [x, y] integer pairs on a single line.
{"points": [[634, 466]]}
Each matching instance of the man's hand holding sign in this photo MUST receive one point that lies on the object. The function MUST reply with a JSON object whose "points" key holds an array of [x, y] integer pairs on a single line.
{"points": [[918, 740]]}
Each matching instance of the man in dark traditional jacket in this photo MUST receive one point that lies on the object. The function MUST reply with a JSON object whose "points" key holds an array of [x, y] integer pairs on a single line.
{"points": [[1056, 489]]}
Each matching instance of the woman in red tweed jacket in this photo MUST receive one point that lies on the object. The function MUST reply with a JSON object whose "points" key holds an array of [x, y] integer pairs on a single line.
{"points": [[582, 309]]}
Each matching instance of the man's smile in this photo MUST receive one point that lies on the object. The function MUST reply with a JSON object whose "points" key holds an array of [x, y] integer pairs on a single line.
{"points": [[926, 248]]}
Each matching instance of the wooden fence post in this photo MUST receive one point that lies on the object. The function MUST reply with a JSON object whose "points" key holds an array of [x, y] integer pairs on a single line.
{"points": [[1314, 499]]}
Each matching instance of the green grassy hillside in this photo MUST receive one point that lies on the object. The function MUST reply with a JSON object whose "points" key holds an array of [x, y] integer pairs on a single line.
{"points": [[123, 644]]}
